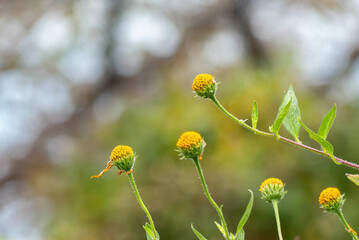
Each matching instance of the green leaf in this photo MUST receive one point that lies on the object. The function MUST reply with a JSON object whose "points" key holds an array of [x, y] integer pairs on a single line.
{"points": [[149, 232], [290, 121], [220, 209], [246, 214], [353, 177], [240, 235], [282, 113], [327, 147], [255, 115], [221, 229], [200, 236], [327, 122]]}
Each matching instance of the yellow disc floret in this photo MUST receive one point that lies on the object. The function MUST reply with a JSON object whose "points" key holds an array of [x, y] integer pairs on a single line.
{"points": [[202, 81], [329, 196], [270, 181], [121, 152], [189, 140]]}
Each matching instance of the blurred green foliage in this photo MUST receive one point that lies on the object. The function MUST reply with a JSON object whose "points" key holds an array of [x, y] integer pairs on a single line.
{"points": [[234, 160]]}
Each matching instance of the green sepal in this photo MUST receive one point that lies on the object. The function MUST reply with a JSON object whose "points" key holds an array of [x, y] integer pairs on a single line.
{"points": [[273, 192], [221, 229], [240, 235], [245, 216], [353, 177], [327, 146], [149, 232], [200, 236], [254, 115], [327, 122], [290, 121], [282, 113], [335, 206], [126, 163]]}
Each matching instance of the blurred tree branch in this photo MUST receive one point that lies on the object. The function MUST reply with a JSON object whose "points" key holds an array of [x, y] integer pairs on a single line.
{"points": [[112, 81], [255, 49]]}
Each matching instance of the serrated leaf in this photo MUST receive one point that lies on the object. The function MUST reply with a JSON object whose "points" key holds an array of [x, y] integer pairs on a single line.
{"points": [[246, 214], [282, 113], [221, 229], [290, 121], [327, 146], [327, 122], [240, 235], [200, 236], [353, 177], [254, 115]]}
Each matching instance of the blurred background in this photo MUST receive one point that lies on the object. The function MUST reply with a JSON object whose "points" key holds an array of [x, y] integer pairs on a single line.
{"points": [[78, 77]]}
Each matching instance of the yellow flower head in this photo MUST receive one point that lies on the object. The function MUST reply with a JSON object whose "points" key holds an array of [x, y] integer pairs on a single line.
{"points": [[122, 157], [204, 85], [270, 181], [190, 145], [331, 199], [272, 189], [120, 152]]}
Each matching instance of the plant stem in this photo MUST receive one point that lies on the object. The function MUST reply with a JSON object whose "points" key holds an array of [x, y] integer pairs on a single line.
{"points": [[262, 133], [276, 212], [347, 227], [239, 121], [220, 214], [133, 184]]}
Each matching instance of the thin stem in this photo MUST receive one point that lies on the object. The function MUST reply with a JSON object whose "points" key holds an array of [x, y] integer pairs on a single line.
{"points": [[132, 181], [298, 144], [347, 227], [239, 121], [276, 212], [220, 214]]}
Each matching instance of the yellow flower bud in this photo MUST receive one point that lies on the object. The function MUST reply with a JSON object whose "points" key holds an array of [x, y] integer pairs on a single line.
{"points": [[190, 145], [122, 157], [272, 189], [204, 85], [330, 199]]}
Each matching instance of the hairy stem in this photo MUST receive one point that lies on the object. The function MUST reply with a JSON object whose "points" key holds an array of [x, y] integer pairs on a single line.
{"points": [[220, 214], [262, 133], [133, 184], [276, 213], [347, 227]]}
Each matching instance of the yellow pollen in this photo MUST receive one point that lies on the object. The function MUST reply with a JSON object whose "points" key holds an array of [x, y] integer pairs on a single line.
{"points": [[188, 140], [201, 81], [120, 152], [329, 195], [270, 181]]}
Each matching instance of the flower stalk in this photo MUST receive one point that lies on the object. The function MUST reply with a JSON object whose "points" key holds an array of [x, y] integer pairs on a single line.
{"points": [[208, 195], [276, 213], [346, 225], [134, 187]]}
